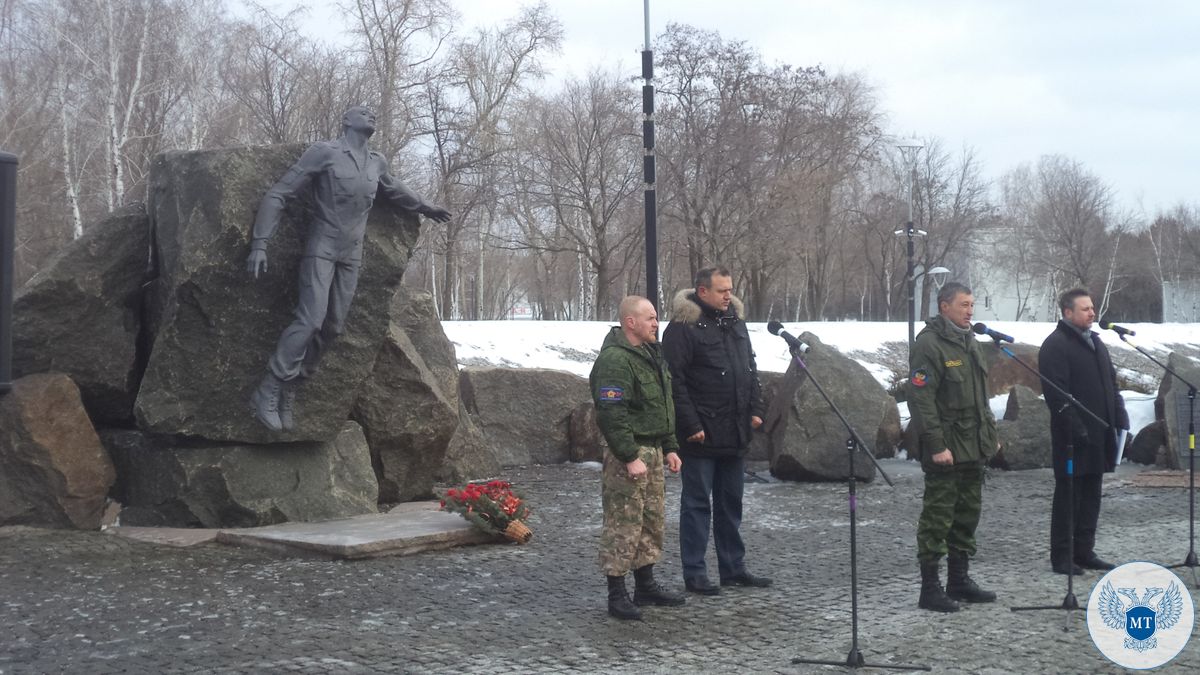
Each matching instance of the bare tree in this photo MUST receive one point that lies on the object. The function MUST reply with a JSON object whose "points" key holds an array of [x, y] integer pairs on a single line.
{"points": [[582, 150]]}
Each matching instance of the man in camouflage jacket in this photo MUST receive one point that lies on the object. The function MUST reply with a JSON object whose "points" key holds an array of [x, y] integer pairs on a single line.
{"points": [[631, 388], [949, 400]]}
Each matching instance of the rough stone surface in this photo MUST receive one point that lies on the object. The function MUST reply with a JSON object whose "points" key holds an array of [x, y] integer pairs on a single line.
{"points": [[81, 314], [409, 528], [1148, 443], [172, 483], [87, 602], [1172, 406], [409, 405], [807, 440], [469, 457], [587, 443], [217, 325], [1004, 373], [53, 470], [890, 436], [524, 414], [760, 441], [1024, 432]]}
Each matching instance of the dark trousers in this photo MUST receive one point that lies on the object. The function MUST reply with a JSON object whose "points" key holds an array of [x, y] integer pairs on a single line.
{"points": [[711, 494], [1085, 495], [326, 289]]}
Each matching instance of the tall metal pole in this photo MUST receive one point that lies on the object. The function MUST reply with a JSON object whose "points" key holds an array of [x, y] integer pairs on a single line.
{"points": [[912, 280], [648, 165], [908, 152], [8, 218]]}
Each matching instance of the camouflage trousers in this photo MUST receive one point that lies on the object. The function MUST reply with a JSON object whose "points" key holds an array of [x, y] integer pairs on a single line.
{"points": [[632, 535], [952, 503]]}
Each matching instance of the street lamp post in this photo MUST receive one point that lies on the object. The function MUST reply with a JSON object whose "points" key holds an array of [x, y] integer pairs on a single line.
{"points": [[648, 169], [909, 148]]}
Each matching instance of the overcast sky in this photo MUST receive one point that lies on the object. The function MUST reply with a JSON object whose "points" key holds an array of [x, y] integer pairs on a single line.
{"points": [[1113, 84]]}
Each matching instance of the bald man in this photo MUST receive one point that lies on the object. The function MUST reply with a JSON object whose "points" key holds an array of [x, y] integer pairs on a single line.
{"points": [[631, 388]]}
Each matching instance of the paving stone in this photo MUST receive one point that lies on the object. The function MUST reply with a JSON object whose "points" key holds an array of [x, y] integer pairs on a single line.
{"points": [[92, 602]]}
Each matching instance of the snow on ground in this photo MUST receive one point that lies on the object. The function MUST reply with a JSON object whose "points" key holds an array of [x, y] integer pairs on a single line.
{"points": [[879, 346]]}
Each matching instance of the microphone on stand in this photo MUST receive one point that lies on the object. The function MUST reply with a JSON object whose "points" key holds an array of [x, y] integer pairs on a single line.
{"points": [[793, 342], [1119, 330], [994, 334]]}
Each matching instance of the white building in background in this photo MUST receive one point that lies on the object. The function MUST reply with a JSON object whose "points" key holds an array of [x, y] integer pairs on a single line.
{"points": [[1003, 291], [1181, 301]]}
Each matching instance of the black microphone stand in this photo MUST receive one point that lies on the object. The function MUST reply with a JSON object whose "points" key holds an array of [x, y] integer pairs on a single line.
{"points": [[1069, 601], [853, 444], [1189, 561]]}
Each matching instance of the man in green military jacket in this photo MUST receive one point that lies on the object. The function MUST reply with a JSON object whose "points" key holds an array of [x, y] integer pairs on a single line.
{"points": [[948, 398], [631, 387]]}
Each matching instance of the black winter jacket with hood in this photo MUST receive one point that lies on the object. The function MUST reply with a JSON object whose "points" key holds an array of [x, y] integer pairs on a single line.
{"points": [[714, 376]]}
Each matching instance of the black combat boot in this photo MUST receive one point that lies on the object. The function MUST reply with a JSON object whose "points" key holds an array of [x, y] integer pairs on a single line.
{"points": [[646, 590], [959, 585], [265, 402], [619, 604], [932, 595]]}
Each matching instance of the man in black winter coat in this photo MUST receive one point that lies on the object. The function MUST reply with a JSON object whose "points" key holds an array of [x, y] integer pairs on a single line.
{"points": [[1074, 358], [718, 403]]}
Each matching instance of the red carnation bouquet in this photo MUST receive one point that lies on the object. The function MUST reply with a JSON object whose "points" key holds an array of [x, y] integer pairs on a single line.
{"points": [[493, 507]]}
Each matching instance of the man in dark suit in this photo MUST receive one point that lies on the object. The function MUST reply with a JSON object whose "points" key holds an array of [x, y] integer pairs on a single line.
{"points": [[1074, 358]]}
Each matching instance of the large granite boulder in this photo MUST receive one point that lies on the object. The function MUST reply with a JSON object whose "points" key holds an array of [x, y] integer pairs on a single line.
{"points": [[81, 315], [1024, 432], [53, 470], [587, 442], [168, 482], [807, 440], [1172, 406], [524, 414], [215, 326], [1147, 446], [409, 405], [1004, 373], [469, 457], [760, 441], [890, 436]]}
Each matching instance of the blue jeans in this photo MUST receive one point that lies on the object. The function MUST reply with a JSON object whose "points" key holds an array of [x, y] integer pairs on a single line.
{"points": [[712, 493]]}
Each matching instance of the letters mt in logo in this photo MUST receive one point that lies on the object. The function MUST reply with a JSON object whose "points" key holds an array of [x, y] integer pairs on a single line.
{"points": [[1140, 615], [1140, 619]]}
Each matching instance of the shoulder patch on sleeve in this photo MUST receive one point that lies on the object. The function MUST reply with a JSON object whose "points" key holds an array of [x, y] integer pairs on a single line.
{"points": [[611, 394], [919, 378]]}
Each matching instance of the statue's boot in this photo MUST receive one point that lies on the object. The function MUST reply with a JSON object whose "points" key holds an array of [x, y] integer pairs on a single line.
{"points": [[265, 402], [287, 404]]}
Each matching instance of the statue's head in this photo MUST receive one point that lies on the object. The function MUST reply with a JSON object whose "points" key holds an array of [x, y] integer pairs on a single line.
{"points": [[360, 118]]}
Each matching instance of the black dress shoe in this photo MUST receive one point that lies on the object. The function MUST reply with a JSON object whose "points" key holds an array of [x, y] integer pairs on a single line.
{"points": [[1063, 568], [701, 585], [745, 579], [1094, 563]]}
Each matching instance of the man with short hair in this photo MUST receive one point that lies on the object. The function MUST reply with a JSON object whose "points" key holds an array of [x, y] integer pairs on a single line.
{"points": [[718, 403], [343, 176], [631, 388], [1075, 359], [948, 399]]}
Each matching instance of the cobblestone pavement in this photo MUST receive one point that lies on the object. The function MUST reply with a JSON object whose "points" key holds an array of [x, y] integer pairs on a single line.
{"points": [[94, 603]]}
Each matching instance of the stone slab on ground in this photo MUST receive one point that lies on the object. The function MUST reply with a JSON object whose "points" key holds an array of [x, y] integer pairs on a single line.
{"points": [[409, 528], [181, 537]]}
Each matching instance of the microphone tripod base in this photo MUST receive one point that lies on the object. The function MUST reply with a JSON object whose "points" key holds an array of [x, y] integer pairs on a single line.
{"points": [[1069, 602], [1191, 564], [855, 660]]}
